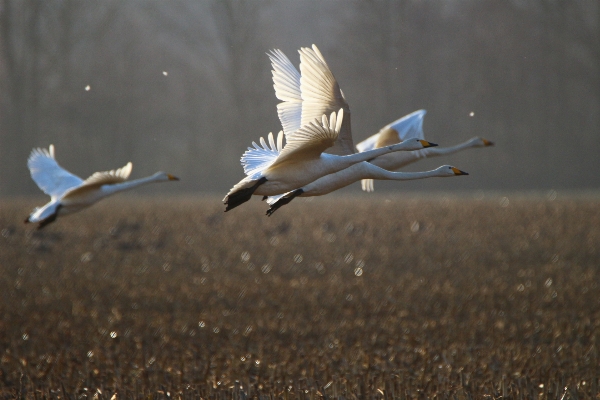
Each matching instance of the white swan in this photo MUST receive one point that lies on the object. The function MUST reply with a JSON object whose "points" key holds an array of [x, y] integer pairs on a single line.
{"points": [[273, 169], [69, 193], [343, 178], [409, 126]]}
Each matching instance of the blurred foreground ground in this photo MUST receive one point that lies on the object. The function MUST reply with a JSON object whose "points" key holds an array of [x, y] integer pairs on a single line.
{"points": [[370, 297]]}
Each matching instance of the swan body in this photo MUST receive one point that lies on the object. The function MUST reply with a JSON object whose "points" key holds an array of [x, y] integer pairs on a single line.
{"points": [[409, 126], [69, 193], [273, 169], [343, 178]]}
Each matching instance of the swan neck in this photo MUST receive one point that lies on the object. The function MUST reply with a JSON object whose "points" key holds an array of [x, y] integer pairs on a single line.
{"points": [[119, 187], [439, 151], [407, 176]]}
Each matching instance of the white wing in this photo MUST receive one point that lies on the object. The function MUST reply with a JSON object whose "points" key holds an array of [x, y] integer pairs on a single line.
{"points": [[286, 81], [321, 94], [262, 155], [98, 179], [109, 177], [312, 139], [50, 177], [408, 127]]}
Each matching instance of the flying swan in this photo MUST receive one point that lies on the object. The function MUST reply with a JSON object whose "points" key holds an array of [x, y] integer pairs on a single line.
{"points": [[69, 193], [363, 170], [315, 146], [273, 169], [409, 126]]}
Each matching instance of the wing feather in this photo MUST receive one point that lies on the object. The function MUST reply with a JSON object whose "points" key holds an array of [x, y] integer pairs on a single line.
{"points": [[98, 179], [260, 157], [109, 177], [408, 127], [50, 177], [311, 140], [321, 94], [286, 81]]}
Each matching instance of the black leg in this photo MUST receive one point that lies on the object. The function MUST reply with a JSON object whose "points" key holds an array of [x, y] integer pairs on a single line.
{"points": [[242, 195], [283, 201], [50, 219]]}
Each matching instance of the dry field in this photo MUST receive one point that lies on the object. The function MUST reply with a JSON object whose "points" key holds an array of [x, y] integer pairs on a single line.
{"points": [[355, 298]]}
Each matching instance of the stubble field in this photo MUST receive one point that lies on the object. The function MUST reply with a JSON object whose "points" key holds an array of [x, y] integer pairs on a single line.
{"points": [[336, 298]]}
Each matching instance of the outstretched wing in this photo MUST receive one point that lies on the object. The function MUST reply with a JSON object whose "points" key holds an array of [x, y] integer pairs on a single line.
{"points": [[262, 155], [286, 81], [408, 127], [50, 177], [311, 140], [321, 94]]}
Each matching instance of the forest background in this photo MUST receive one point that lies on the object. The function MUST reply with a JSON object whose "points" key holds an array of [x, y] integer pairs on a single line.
{"points": [[185, 86]]}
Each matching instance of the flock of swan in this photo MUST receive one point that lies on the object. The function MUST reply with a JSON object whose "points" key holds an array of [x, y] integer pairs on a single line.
{"points": [[318, 156]]}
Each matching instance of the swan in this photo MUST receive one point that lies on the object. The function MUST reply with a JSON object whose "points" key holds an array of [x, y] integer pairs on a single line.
{"points": [[409, 126], [272, 168], [69, 193], [343, 178]]}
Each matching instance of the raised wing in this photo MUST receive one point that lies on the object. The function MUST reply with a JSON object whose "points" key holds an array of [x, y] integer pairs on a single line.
{"points": [[50, 177], [262, 155], [286, 81], [109, 177], [98, 179], [311, 140], [321, 94], [408, 127]]}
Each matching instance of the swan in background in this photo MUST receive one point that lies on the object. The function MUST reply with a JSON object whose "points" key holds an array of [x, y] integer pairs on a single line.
{"points": [[272, 168], [343, 178], [69, 193], [409, 126]]}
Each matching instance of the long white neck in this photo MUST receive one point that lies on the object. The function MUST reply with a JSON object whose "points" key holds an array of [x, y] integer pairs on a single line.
{"points": [[356, 172], [341, 162], [441, 151], [121, 187]]}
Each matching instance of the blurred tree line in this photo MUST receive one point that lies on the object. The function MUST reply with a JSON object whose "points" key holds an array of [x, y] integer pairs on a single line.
{"points": [[185, 86]]}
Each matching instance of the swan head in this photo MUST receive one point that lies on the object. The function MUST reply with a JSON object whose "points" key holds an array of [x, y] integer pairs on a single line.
{"points": [[481, 142], [449, 170], [163, 177]]}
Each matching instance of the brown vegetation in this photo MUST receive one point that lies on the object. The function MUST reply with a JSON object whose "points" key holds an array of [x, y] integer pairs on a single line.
{"points": [[330, 298]]}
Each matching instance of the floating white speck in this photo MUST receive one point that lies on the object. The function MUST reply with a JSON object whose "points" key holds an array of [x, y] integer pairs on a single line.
{"points": [[165, 73], [472, 114], [87, 88]]}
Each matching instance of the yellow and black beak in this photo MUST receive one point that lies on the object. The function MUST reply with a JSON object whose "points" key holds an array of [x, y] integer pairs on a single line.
{"points": [[459, 172], [172, 177], [487, 142], [427, 144]]}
